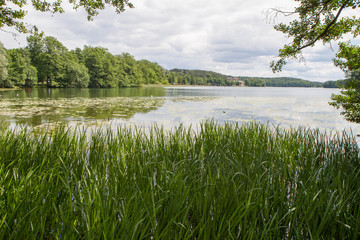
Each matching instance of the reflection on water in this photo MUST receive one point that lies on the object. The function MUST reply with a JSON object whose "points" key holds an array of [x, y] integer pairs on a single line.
{"points": [[56, 93], [171, 106], [35, 112]]}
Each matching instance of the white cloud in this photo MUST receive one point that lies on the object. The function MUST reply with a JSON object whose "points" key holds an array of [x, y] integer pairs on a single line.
{"points": [[231, 37]]}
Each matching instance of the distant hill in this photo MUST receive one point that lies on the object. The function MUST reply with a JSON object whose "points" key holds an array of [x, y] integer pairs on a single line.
{"points": [[279, 82], [199, 73], [335, 84], [201, 77]]}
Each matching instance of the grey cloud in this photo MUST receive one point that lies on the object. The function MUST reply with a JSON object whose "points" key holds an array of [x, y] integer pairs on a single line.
{"points": [[231, 37]]}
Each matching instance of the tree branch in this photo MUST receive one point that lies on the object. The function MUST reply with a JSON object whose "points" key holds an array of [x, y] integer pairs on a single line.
{"points": [[325, 30]]}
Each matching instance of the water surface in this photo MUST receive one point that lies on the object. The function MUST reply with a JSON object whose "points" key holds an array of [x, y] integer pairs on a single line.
{"points": [[171, 106]]}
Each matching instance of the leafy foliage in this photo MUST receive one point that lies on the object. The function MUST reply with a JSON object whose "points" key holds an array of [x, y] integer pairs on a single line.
{"points": [[3, 66], [76, 75], [100, 64], [325, 21], [12, 12], [348, 57], [316, 21], [21, 72], [152, 72], [349, 98], [47, 62]]}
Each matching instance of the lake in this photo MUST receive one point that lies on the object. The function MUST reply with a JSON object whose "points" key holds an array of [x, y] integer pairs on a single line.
{"points": [[170, 106]]}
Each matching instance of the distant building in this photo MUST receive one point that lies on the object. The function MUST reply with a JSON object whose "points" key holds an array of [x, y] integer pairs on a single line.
{"points": [[236, 79]]}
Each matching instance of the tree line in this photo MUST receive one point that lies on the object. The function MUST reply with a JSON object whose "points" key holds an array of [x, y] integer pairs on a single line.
{"points": [[47, 62], [200, 77], [279, 82]]}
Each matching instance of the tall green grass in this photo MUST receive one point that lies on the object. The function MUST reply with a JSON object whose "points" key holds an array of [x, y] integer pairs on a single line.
{"points": [[230, 181]]}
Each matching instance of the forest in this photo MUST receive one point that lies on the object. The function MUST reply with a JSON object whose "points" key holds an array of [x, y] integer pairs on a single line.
{"points": [[201, 77], [335, 84], [279, 82], [46, 62]]}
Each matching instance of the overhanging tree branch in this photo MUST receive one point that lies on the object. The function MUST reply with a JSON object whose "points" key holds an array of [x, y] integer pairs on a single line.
{"points": [[325, 30]]}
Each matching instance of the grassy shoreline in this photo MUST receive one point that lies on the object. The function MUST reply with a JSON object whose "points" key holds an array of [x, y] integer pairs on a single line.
{"points": [[230, 181]]}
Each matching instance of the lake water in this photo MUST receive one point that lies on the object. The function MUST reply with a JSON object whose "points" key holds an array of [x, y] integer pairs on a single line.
{"points": [[170, 106]]}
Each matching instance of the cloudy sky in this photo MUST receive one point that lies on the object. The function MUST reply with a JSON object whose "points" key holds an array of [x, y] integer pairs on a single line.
{"points": [[233, 37]]}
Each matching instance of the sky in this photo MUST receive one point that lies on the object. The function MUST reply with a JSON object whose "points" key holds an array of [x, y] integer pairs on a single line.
{"points": [[232, 37]]}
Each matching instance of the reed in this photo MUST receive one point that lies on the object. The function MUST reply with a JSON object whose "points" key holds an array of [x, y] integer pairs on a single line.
{"points": [[229, 181]]}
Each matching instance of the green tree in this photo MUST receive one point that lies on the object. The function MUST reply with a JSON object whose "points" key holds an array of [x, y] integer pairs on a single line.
{"points": [[35, 46], [51, 62], [347, 57], [76, 75], [325, 21], [317, 21], [12, 12], [74, 72], [20, 71], [55, 64], [31, 76], [101, 66], [152, 72], [173, 77], [349, 98], [3, 67], [133, 73]]}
